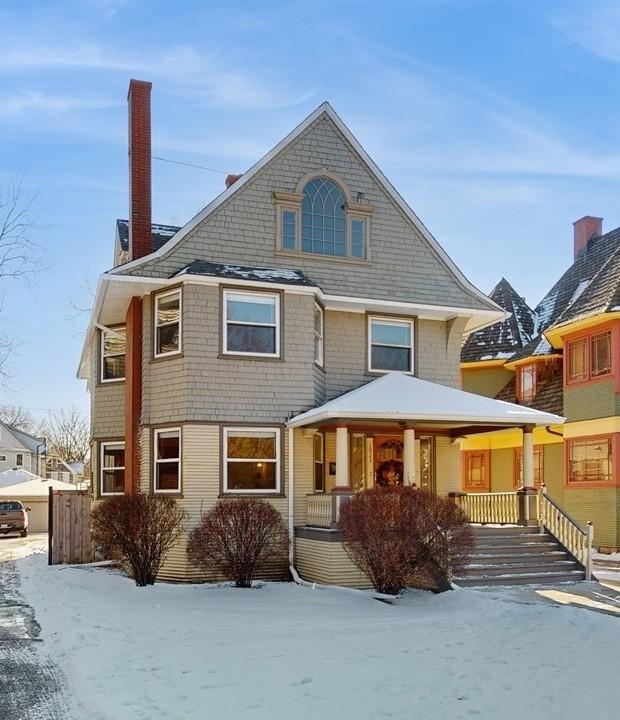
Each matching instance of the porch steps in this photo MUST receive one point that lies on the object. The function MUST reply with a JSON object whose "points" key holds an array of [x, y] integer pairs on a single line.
{"points": [[517, 556]]}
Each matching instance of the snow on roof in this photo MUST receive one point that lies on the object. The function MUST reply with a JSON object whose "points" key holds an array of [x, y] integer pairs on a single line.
{"points": [[21, 483], [402, 397], [246, 272]]}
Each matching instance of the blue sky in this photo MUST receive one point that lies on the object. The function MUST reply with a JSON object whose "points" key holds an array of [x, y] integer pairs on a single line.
{"points": [[497, 120]]}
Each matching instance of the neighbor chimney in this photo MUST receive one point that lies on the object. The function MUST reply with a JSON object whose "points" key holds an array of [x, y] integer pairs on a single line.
{"points": [[230, 179], [139, 100], [585, 229]]}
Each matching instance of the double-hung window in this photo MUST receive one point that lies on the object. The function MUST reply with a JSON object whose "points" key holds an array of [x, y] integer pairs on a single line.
{"points": [[319, 321], [527, 383], [167, 326], [319, 462], [167, 460], [600, 354], [113, 349], [589, 357], [19, 460], [590, 461], [251, 460], [390, 345], [476, 471], [112, 469], [251, 323]]}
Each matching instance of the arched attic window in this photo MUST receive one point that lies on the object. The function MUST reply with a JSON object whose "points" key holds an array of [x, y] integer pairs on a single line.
{"points": [[322, 221]]}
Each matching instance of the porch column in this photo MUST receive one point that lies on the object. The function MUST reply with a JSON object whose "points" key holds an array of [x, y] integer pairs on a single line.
{"points": [[342, 459], [528, 457], [409, 456]]}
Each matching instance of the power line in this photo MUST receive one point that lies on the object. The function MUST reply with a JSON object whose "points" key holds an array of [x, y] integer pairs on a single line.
{"points": [[199, 167]]}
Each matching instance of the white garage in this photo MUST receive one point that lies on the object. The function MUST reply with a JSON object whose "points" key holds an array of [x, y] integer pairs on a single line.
{"points": [[33, 491]]}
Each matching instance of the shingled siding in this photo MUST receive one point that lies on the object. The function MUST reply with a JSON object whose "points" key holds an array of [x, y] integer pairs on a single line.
{"points": [[107, 401], [590, 401], [402, 265]]}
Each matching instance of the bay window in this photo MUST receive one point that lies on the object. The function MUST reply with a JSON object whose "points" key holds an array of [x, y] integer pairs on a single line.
{"points": [[251, 460], [167, 460], [251, 323], [167, 326]]}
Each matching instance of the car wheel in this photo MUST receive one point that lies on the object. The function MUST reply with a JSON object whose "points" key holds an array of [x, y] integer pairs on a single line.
{"points": [[24, 533]]}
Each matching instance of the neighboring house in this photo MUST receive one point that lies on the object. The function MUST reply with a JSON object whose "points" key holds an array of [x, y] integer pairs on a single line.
{"points": [[69, 472], [297, 340], [20, 450], [563, 357]]}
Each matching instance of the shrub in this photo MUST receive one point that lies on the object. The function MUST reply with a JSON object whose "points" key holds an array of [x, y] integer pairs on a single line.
{"points": [[400, 535], [237, 535], [139, 530]]}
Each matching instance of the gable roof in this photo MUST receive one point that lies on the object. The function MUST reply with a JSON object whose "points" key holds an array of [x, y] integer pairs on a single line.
{"points": [[590, 285], [282, 276], [160, 234], [396, 397], [24, 439], [504, 338], [325, 109]]}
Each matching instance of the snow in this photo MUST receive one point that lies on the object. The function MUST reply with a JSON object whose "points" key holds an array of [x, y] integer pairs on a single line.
{"points": [[37, 487], [280, 651], [498, 355], [17, 476]]}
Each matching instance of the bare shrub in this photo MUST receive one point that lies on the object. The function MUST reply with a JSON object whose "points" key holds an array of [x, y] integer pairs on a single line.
{"points": [[401, 535], [139, 530], [237, 535]]}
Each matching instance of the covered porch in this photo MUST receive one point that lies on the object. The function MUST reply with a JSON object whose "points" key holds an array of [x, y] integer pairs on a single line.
{"points": [[400, 430]]}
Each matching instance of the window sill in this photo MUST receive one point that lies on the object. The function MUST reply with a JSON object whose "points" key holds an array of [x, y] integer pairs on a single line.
{"points": [[365, 262], [258, 496], [169, 356], [248, 356]]}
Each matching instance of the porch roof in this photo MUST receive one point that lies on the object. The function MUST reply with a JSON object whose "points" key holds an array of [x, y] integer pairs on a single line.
{"points": [[399, 397]]}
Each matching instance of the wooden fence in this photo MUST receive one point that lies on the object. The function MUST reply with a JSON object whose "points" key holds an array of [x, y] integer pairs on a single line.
{"points": [[69, 527]]}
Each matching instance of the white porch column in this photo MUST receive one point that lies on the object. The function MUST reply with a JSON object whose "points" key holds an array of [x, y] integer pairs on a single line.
{"points": [[342, 459], [409, 456], [528, 457]]}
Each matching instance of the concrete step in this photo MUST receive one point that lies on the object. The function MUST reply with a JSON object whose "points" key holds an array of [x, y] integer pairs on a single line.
{"points": [[524, 548], [506, 538], [478, 558], [511, 569], [501, 529], [530, 578]]}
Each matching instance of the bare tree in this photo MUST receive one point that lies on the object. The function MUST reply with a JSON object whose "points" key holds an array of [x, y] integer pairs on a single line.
{"points": [[19, 256], [67, 434], [18, 417]]}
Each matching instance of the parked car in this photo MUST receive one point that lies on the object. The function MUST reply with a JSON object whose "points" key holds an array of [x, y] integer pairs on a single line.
{"points": [[14, 517]]}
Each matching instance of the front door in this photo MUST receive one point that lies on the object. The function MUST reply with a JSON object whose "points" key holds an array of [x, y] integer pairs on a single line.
{"points": [[388, 460]]}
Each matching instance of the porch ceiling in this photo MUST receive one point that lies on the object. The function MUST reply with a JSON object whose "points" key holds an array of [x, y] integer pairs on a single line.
{"points": [[396, 397]]}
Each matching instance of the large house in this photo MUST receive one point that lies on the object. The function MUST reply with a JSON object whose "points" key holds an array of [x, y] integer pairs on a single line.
{"points": [[297, 340], [562, 357], [20, 450]]}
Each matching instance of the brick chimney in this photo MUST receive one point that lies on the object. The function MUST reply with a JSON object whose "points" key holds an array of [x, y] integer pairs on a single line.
{"points": [[139, 101], [585, 229], [230, 179]]}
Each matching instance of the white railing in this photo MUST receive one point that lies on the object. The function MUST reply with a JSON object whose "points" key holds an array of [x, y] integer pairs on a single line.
{"points": [[566, 530], [501, 508], [319, 510]]}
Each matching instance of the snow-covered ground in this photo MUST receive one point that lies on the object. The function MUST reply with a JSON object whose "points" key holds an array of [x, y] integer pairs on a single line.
{"points": [[284, 651]]}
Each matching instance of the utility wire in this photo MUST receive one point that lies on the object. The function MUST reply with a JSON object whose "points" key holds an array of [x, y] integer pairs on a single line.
{"points": [[199, 167]]}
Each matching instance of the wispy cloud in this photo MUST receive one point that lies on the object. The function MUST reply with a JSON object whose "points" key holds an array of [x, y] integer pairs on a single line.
{"points": [[208, 78], [593, 25], [30, 100]]}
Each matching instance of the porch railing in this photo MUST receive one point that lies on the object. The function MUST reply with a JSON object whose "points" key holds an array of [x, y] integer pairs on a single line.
{"points": [[319, 510], [567, 531], [501, 508]]}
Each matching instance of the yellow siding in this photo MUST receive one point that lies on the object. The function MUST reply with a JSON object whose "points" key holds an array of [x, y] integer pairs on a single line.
{"points": [[553, 471], [304, 474], [601, 506], [485, 381], [448, 465], [327, 563], [502, 470]]}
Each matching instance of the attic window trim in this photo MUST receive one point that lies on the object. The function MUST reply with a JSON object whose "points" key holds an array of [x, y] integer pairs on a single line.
{"points": [[589, 372]]}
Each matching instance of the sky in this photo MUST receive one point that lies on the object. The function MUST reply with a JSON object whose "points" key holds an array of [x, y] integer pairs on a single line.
{"points": [[496, 120]]}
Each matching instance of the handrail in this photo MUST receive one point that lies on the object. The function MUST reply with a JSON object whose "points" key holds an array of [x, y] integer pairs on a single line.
{"points": [[569, 533]]}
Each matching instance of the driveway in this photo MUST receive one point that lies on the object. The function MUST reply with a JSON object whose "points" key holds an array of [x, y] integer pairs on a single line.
{"points": [[31, 686]]}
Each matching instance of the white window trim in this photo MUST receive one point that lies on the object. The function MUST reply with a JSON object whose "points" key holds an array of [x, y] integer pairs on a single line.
{"points": [[321, 361], [117, 443], [176, 291], [225, 321], [250, 429], [157, 461], [104, 332], [391, 319]]}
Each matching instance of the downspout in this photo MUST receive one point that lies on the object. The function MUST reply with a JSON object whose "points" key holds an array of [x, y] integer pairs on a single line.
{"points": [[291, 489], [553, 432]]}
